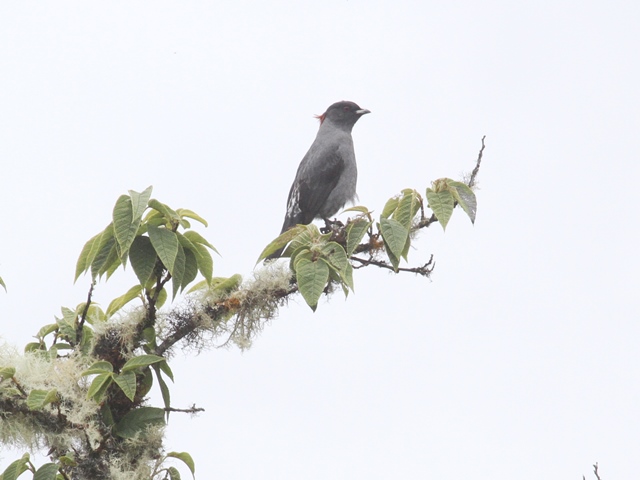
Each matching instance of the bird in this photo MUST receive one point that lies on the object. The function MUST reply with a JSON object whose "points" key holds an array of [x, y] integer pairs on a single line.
{"points": [[327, 175]]}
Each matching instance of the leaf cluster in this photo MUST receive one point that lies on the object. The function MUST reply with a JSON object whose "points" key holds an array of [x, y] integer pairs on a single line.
{"points": [[322, 258]]}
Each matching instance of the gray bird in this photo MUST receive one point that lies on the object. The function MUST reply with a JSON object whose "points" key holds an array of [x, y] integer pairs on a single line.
{"points": [[327, 175]]}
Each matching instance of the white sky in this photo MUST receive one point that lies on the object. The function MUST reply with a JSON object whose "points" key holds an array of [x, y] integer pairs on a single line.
{"points": [[519, 359]]}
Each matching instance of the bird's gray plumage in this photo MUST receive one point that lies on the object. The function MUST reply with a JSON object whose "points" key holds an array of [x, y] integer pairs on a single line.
{"points": [[327, 175]]}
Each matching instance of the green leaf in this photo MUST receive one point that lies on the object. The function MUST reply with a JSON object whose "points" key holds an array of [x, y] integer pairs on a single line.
{"points": [[111, 262], [312, 278], [394, 234], [138, 420], [145, 383], [281, 241], [164, 389], [3, 284], [390, 207], [195, 237], [190, 268], [336, 256], [7, 372], [183, 212], [127, 383], [298, 254], [102, 252], [124, 225], [355, 231], [186, 458], [68, 460], [48, 471], [227, 285], [358, 208], [465, 198], [32, 347], [407, 208], [37, 399], [17, 468], [85, 259], [205, 262], [162, 298], [100, 366], [67, 324], [201, 285], [141, 361], [119, 302], [174, 474], [46, 330], [178, 270], [139, 201], [441, 203], [165, 243], [164, 366], [99, 386], [347, 277], [169, 214], [107, 414], [143, 258]]}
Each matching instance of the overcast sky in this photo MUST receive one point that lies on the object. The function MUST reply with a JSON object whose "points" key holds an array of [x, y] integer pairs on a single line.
{"points": [[519, 359]]}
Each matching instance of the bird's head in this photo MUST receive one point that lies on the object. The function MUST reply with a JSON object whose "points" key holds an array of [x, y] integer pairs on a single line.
{"points": [[344, 114]]}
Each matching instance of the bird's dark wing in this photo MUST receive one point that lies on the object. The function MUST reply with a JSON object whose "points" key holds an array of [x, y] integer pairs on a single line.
{"points": [[310, 190], [318, 183]]}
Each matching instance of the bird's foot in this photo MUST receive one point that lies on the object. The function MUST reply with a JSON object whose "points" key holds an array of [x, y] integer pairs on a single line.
{"points": [[331, 225]]}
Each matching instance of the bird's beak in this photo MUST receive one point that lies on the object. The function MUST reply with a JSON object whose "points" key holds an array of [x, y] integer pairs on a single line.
{"points": [[362, 111]]}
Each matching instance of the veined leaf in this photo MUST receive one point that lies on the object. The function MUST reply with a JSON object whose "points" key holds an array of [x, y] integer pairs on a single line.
{"points": [[312, 278], [465, 198], [127, 383], [360, 209], [335, 256], [117, 303], [190, 269], [195, 237], [390, 207], [138, 420], [37, 399], [394, 234], [178, 271], [48, 471], [280, 242], [16, 468], [442, 205], [7, 372], [355, 231], [143, 258], [165, 243], [101, 366], [205, 262], [183, 212], [99, 386], [407, 208], [169, 214], [141, 361], [186, 458], [125, 225], [139, 201]]}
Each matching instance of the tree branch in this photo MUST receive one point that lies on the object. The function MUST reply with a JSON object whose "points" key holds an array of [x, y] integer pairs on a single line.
{"points": [[424, 270], [193, 409]]}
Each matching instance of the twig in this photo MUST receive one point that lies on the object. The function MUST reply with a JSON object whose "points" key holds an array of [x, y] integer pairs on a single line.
{"points": [[85, 311], [424, 270], [595, 471], [192, 409], [472, 180]]}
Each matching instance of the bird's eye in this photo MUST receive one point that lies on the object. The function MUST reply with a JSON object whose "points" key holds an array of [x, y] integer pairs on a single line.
{"points": [[345, 108]]}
